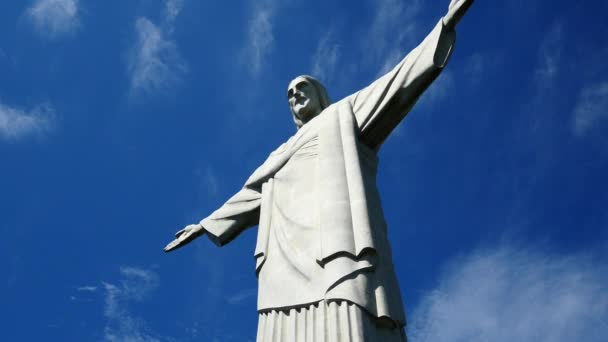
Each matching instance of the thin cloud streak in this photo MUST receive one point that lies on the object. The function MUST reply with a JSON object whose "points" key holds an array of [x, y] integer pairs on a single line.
{"points": [[260, 38], [87, 288], [550, 56], [54, 18], [509, 294], [325, 58], [136, 284], [155, 63], [439, 90], [172, 10], [210, 181], [394, 26], [17, 124], [241, 296], [591, 109], [475, 67]]}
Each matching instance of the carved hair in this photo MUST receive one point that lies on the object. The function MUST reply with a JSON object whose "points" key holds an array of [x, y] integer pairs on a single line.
{"points": [[324, 100]]}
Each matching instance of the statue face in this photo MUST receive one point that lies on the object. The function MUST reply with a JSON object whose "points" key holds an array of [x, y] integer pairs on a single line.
{"points": [[303, 99]]}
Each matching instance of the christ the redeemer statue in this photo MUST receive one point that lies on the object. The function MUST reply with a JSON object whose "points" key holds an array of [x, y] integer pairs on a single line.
{"points": [[323, 259]]}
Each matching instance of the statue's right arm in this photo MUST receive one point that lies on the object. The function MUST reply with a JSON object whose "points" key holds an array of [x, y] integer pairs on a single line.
{"points": [[185, 236], [240, 212]]}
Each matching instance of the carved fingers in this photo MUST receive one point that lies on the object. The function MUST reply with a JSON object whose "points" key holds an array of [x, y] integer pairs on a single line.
{"points": [[185, 236]]}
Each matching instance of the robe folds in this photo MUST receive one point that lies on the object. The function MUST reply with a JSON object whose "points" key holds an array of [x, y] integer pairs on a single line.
{"points": [[338, 248]]}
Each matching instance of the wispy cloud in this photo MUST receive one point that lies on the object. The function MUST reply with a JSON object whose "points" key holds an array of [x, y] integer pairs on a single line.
{"points": [[326, 57], [241, 296], [155, 63], [171, 11], [541, 92], [439, 90], [509, 294], [16, 123], [86, 288], [475, 67], [210, 182], [260, 38], [54, 18], [549, 55], [135, 284], [591, 108], [84, 293], [394, 26], [432, 98]]}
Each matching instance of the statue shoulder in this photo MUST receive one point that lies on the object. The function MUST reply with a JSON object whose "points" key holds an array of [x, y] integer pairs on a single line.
{"points": [[281, 148]]}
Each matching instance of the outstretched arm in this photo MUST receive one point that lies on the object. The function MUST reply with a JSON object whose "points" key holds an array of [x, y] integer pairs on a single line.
{"points": [[380, 107], [456, 10], [185, 236], [240, 212]]}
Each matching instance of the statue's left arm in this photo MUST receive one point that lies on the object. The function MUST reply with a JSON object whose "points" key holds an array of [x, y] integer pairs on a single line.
{"points": [[380, 107]]}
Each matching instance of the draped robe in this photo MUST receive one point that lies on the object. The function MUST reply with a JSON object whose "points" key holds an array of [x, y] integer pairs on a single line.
{"points": [[322, 234]]}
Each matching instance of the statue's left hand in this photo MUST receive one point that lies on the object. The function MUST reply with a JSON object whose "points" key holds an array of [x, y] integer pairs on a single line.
{"points": [[185, 236], [456, 11]]}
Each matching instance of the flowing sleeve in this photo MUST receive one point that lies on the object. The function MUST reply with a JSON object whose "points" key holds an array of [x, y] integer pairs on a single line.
{"points": [[380, 107], [242, 210]]}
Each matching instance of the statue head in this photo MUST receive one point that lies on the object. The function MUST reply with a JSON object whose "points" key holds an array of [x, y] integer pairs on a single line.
{"points": [[307, 98]]}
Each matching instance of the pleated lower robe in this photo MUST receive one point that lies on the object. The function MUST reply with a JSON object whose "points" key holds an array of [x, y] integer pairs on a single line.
{"points": [[325, 322]]}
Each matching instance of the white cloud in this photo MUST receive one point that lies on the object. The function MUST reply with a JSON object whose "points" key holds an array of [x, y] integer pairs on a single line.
{"points": [[394, 26], [439, 90], [155, 63], [172, 10], [591, 108], [516, 295], [84, 293], [210, 182], [260, 38], [135, 285], [550, 51], [54, 18], [16, 123], [432, 98], [325, 58], [86, 288], [474, 68], [241, 296]]}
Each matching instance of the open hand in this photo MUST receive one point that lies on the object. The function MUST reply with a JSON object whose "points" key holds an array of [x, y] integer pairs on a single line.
{"points": [[456, 10], [184, 236]]}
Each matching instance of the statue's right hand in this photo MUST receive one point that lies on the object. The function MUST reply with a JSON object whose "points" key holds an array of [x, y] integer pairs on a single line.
{"points": [[185, 236]]}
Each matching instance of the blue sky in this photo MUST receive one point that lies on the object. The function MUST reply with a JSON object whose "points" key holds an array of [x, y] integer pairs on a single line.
{"points": [[123, 121]]}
